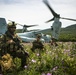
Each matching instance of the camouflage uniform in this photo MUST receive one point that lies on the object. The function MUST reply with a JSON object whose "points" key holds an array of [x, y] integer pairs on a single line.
{"points": [[37, 44], [15, 48]]}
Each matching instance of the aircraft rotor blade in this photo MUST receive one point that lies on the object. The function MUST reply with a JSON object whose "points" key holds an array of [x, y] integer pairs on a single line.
{"points": [[20, 24], [49, 20], [30, 25], [68, 19], [26, 25], [52, 11]]}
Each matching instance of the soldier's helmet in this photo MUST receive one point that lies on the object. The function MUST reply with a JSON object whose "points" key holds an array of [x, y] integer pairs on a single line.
{"points": [[11, 25], [38, 36]]}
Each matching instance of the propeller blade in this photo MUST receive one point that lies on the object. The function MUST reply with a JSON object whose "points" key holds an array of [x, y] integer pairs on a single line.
{"points": [[20, 24], [52, 11], [26, 25], [49, 20], [30, 25], [68, 19]]}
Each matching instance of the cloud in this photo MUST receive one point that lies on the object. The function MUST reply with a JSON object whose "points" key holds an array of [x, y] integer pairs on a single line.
{"points": [[18, 1], [63, 1], [11, 1]]}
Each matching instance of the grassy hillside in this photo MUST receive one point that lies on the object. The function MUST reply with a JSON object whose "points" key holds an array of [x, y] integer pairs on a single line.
{"points": [[69, 29], [68, 33]]}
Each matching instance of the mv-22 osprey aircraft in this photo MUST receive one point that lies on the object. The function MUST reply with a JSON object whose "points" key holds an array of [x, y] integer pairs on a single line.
{"points": [[31, 36], [25, 36]]}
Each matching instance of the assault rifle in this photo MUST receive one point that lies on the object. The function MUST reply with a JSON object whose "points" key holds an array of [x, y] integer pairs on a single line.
{"points": [[18, 43]]}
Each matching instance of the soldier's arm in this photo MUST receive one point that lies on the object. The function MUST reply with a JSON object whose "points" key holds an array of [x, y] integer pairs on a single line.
{"points": [[3, 41], [3, 45], [21, 46], [18, 42]]}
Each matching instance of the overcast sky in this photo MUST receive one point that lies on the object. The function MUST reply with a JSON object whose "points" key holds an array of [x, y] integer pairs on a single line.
{"points": [[31, 12]]}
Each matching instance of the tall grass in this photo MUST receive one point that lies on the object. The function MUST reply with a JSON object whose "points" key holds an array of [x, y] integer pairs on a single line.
{"points": [[60, 60]]}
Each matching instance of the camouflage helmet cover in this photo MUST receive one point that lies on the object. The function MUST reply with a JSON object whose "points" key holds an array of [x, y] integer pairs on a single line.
{"points": [[39, 36], [11, 25]]}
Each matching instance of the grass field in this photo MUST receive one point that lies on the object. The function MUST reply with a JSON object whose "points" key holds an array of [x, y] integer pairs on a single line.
{"points": [[60, 60]]}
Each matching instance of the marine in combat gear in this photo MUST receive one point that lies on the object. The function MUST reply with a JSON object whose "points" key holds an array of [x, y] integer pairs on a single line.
{"points": [[37, 44], [12, 44]]}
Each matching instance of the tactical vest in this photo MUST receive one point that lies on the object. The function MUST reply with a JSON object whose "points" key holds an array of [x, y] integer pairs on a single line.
{"points": [[37, 44], [7, 48]]}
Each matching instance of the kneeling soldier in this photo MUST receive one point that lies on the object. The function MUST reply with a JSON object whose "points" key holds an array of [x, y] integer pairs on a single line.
{"points": [[37, 44]]}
